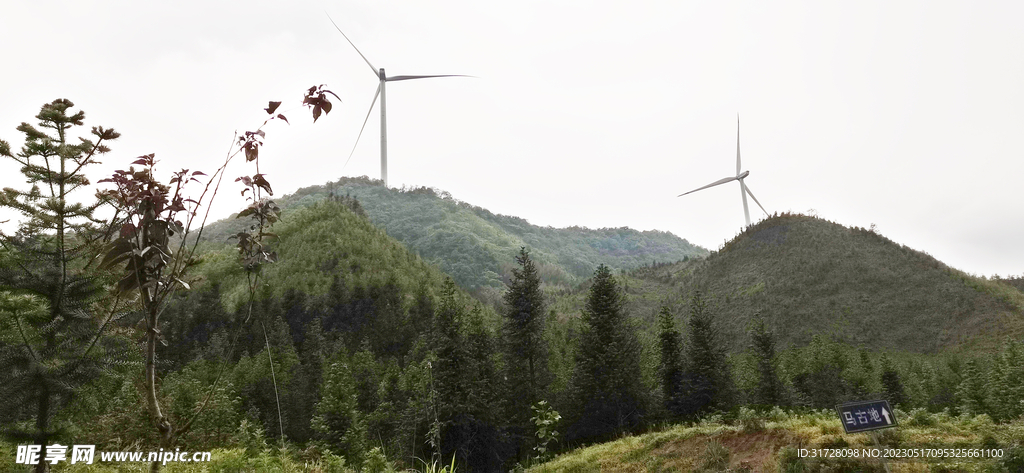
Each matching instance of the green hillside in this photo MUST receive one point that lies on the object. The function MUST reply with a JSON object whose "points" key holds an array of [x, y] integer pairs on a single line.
{"points": [[769, 443], [476, 246], [808, 276]]}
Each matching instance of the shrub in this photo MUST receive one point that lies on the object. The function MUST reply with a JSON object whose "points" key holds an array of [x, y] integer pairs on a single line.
{"points": [[835, 442], [790, 461], [714, 458], [890, 438], [921, 417], [1013, 458], [751, 420]]}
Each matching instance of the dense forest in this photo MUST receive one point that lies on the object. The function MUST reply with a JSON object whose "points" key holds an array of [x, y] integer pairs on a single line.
{"points": [[323, 343]]}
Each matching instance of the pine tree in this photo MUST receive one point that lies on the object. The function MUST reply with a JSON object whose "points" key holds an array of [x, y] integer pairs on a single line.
{"points": [[820, 383], [606, 385], [1004, 384], [769, 391], [49, 295], [892, 383], [451, 430], [971, 393], [707, 374], [525, 349], [482, 396], [337, 420], [671, 364]]}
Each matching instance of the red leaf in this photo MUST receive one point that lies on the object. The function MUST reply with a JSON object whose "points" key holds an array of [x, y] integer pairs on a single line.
{"points": [[251, 153], [127, 230], [272, 108], [283, 118], [260, 181]]}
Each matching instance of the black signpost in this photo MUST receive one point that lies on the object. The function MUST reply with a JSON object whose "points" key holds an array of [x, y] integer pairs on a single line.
{"points": [[864, 416]]}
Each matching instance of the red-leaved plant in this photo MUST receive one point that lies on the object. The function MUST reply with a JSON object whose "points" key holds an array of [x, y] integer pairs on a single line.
{"points": [[152, 248]]}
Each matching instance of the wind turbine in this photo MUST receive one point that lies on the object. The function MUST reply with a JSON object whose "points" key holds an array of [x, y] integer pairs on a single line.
{"points": [[384, 79], [744, 190]]}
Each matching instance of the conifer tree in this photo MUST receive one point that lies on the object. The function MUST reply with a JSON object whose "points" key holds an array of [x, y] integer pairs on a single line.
{"points": [[971, 394], [51, 333], [769, 390], [448, 373], [337, 420], [482, 396], [1006, 384], [525, 349], [860, 375], [819, 382], [671, 364], [892, 384], [606, 385], [707, 374]]}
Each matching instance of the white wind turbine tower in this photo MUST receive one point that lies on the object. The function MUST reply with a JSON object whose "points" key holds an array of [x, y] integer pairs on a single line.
{"points": [[384, 79], [744, 190]]}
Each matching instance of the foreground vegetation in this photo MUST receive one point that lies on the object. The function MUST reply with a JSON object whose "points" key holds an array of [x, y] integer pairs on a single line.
{"points": [[770, 442]]}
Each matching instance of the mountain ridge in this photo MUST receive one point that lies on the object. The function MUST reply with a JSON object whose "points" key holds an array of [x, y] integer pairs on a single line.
{"points": [[435, 225]]}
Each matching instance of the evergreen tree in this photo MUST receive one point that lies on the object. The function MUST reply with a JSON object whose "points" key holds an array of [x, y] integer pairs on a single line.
{"points": [[671, 364], [53, 315], [1010, 383], [860, 375], [820, 382], [1004, 384], [892, 384], [525, 351], [451, 429], [483, 399], [769, 390], [606, 387], [707, 374], [971, 393], [366, 373], [337, 419]]}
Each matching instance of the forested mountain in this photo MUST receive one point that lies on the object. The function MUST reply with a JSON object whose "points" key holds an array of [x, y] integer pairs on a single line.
{"points": [[808, 276], [476, 247]]}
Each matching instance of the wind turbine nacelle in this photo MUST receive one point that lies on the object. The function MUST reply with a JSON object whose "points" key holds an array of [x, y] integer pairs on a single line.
{"points": [[742, 175]]}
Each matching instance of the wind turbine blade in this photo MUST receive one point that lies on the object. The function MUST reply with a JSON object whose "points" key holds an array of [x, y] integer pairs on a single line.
{"points": [[713, 184], [398, 78], [363, 127], [374, 69], [737, 144], [755, 199], [743, 193]]}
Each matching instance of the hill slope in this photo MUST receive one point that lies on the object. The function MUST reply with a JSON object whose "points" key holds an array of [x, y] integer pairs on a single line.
{"points": [[319, 246], [476, 247], [807, 276]]}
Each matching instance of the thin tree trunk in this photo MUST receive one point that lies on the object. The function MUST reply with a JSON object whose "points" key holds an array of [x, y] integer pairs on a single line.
{"points": [[163, 426]]}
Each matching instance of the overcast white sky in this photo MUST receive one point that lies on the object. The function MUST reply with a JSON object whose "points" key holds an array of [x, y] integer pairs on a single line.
{"points": [[908, 115]]}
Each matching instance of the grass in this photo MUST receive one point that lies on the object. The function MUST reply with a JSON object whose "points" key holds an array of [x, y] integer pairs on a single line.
{"points": [[230, 460], [715, 446]]}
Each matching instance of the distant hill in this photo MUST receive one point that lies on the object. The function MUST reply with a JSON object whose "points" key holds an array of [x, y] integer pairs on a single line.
{"points": [[807, 276], [477, 247], [316, 245]]}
